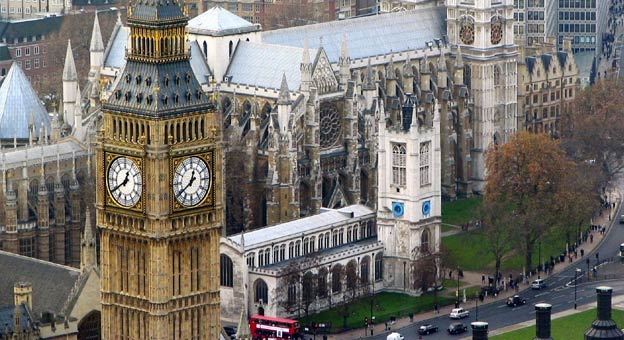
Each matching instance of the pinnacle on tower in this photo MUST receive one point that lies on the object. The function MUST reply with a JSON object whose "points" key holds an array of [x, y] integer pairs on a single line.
{"points": [[69, 70], [97, 44], [459, 62], [306, 51], [284, 93], [344, 51], [424, 67], [442, 62]]}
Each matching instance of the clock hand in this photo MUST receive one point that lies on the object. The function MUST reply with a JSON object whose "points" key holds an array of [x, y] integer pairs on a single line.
{"points": [[188, 185], [123, 183]]}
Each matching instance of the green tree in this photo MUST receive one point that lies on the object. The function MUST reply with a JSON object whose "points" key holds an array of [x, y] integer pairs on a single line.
{"points": [[496, 229], [526, 177]]}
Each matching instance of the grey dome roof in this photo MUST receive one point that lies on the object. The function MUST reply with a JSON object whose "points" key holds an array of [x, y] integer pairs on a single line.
{"points": [[19, 104]]}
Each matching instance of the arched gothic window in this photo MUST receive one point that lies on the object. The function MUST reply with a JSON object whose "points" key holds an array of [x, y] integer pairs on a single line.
{"points": [[261, 291], [378, 267], [227, 271], [424, 241], [337, 278]]}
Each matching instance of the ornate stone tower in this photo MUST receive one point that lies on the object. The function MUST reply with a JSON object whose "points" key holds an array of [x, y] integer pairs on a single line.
{"points": [[159, 192], [484, 31], [409, 201]]}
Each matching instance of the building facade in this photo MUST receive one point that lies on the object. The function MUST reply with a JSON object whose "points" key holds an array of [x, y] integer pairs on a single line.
{"points": [[548, 81], [159, 188]]}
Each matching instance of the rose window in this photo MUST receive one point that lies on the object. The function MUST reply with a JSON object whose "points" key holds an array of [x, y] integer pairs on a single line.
{"points": [[331, 125]]}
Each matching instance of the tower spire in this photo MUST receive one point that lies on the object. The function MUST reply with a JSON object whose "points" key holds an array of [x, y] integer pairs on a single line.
{"points": [[284, 93], [97, 44], [69, 70]]}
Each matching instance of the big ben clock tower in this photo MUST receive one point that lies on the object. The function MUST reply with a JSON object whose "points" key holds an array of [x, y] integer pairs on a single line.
{"points": [[159, 189]]}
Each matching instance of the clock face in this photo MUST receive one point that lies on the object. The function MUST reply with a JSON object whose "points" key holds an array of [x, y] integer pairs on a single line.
{"points": [[125, 182], [191, 181], [497, 32], [466, 32]]}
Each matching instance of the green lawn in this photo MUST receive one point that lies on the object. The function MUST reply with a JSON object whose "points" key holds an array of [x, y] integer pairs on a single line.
{"points": [[571, 327], [460, 211], [384, 305], [469, 246]]}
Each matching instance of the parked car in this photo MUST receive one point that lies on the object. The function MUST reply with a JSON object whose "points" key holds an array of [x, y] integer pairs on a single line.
{"points": [[427, 329], [459, 313], [456, 328], [515, 300], [538, 284]]}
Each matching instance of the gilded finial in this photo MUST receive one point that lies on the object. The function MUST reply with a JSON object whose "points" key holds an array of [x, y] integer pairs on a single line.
{"points": [[142, 139]]}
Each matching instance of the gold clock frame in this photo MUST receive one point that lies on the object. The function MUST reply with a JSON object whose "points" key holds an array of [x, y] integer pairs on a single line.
{"points": [[209, 199], [109, 157]]}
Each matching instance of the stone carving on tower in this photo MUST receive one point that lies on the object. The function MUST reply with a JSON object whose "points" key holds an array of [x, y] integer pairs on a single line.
{"points": [[159, 188]]}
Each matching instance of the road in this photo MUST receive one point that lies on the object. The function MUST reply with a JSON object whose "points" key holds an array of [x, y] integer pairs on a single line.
{"points": [[559, 293]]}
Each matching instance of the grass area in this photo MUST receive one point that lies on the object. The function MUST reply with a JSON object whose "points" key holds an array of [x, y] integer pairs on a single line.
{"points": [[460, 211], [471, 245], [570, 327], [384, 305]]}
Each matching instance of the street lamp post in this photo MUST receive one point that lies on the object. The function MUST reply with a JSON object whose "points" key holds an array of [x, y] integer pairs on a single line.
{"points": [[575, 281], [539, 251], [457, 303], [477, 307], [587, 261]]}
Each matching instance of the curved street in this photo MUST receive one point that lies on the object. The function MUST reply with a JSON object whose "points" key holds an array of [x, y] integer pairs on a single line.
{"points": [[559, 292]]}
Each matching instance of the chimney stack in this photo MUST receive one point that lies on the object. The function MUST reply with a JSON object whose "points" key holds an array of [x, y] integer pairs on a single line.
{"points": [[22, 293], [479, 330], [604, 327], [542, 322]]}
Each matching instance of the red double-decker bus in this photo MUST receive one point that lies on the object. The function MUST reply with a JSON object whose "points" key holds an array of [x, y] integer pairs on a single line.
{"points": [[269, 328]]}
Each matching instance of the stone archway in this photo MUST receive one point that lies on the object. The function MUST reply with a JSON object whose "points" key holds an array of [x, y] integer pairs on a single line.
{"points": [[89, 327]]}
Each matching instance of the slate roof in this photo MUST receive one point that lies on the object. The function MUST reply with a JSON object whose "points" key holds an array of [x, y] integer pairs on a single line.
{"points": [[153, 10], [546, 59], [6, 319], [115, 53], [15, 158], [218, 21], [134, 91], [18, 103], [29, 28], [51, 283], [286, 230], [368, 36], [263, 65], [199, 65], [563, 57]]}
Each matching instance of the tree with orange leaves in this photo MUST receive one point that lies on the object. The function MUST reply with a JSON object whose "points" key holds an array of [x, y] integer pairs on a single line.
{"points": [[527, 178]]}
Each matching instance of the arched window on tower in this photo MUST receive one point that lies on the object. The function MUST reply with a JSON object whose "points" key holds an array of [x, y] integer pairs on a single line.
{"points": [[425, 239], [379, 267]]}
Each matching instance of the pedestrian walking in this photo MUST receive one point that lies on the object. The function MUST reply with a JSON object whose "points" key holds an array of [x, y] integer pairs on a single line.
{"points": [[591, 238]]}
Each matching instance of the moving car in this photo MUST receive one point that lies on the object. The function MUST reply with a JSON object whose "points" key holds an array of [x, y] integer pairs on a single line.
{"points": [[515, 300], [427, 329], [538, 284], [395, 336], [456, 328], [459, 313], [230, 331]]}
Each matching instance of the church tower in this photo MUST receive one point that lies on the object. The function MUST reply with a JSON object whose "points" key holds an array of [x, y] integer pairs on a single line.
{"points": [[409, 194], [159, 204], [483, 29]]}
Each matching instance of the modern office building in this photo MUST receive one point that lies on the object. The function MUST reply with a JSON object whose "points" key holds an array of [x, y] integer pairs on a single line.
{"points": [[582, 20]]}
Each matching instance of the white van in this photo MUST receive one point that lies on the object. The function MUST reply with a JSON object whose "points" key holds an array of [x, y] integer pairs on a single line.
{"points": [[395, 336]]}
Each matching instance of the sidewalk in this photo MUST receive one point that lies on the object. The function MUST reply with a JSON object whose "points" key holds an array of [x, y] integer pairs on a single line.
{"points": [[474, 279]]}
